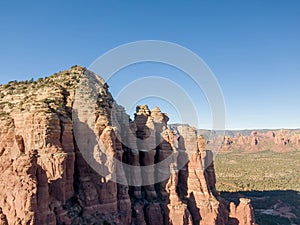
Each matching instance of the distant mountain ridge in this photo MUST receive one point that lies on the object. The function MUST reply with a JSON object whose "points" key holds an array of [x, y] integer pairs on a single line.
{"points": [[278, 140]]}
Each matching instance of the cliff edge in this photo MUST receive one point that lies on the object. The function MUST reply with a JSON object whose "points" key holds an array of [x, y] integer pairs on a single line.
{"points": [[45, 177]]}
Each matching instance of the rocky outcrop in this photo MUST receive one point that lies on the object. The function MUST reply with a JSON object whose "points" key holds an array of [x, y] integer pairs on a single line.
{"points": [[55, 138], [277, 141], [243, 213]]}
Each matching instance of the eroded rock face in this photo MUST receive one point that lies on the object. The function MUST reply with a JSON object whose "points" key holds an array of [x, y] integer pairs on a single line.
{"points": [[45, 177], [3, 219], [243, 213]]}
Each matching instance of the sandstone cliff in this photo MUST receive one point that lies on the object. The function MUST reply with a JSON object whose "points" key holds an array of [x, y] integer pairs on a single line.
{"points": [[49, 128]]}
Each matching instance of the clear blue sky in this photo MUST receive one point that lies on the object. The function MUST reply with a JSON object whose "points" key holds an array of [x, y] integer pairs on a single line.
{"points": [[253, 47]]}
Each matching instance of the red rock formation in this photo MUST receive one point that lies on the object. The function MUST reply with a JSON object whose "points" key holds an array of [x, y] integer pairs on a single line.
{"points": [[46, 177], [277, 141], [243, 213]]}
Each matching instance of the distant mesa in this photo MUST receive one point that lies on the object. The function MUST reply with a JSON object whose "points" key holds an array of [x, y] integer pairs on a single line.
{"points": [[283, 140]]}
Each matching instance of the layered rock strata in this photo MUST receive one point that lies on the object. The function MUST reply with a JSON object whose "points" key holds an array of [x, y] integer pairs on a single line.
{"points": [[277, 141], [55, 138]]}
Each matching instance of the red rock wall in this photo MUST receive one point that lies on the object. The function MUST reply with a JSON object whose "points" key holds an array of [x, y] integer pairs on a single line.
{"points": [[45, 179]]}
